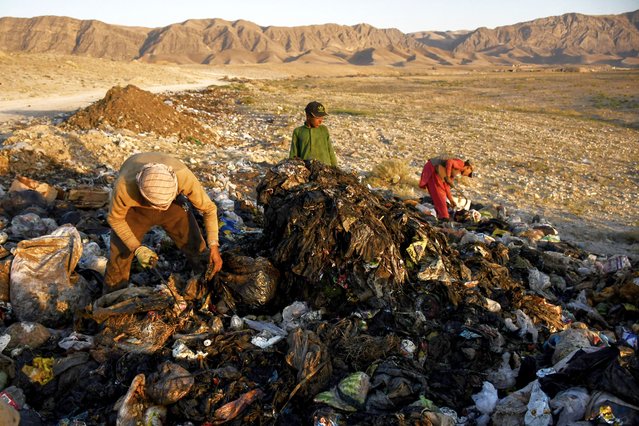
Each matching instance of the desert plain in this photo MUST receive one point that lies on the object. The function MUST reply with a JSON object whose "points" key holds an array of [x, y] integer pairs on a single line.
{"points": [[558, 143]]}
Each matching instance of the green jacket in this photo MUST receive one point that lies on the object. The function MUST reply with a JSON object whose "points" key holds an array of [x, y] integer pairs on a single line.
{"points": [[313, 144]]}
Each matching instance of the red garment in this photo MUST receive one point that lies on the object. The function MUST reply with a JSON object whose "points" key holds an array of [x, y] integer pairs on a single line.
{"points": [[438, 189]]}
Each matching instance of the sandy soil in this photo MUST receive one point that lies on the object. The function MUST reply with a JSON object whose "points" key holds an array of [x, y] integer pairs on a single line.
{"points": [[46, 85], [54, 104], [560, 146]]}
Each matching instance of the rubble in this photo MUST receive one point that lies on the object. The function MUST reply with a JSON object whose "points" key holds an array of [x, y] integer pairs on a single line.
{"points": [[350, 306], [337, 304]]}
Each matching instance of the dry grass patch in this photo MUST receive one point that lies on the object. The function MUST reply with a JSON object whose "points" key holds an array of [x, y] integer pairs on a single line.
{"points": [[395, 175]]}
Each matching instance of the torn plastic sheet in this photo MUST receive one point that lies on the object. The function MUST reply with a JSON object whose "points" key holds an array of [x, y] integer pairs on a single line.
{"points": [[349, 394], [539, 413], [298, 314], [435, 271], [76, 341], [581, 304], [181, 351], [269, 334], [417, 250], [264, 339]]}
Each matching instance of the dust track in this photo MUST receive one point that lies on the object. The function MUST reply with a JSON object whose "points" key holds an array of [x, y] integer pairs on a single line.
{"points": [[49, 106]]}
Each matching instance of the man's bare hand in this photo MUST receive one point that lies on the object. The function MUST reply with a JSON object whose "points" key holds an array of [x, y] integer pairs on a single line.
{"points": [[215, 262]]}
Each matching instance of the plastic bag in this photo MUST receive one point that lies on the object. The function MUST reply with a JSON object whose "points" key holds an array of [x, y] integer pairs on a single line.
{"points": [[615, 263], [526, 325], [76, 341], [130, 320], [435, 271], [253, 280], [292, 314], [42, 286], [349, 395], [231, 410], [504, 377], [134, 404], [129, 301], [485, 402], [569, 340], [609, 409], [310, 357], [462, 203], [26, 334], [298, 314], [570, 405], [326, 417], [354, 388], [155, 416], [538, 281], [28, 225], [538, 413], [426, 209], [170, 384], [510, 410], [580, 303], [92, 258]]}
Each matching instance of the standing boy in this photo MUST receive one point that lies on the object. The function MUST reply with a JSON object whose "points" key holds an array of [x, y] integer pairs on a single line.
{"points": [[312, 141]]}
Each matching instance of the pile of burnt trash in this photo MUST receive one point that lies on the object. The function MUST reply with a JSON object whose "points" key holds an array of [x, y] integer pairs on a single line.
{"points": [[346, 306]]}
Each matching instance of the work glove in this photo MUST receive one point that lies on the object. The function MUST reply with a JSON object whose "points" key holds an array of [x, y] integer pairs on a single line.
{"points": [[146, 257]]}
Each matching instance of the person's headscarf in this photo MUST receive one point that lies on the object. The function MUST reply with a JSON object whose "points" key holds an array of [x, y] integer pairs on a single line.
{"points": [[158, 184]]}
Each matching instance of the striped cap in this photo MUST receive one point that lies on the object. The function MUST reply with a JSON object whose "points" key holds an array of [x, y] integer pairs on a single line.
{"points": [[158, 184]]}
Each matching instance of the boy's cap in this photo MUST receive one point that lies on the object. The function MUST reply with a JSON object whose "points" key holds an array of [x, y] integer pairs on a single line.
{"points": [[315, 109]]}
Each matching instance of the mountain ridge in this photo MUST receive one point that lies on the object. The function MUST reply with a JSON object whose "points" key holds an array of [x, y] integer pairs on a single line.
{"points": [[571, 38]]}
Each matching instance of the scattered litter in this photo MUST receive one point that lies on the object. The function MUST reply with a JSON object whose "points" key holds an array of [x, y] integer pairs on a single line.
{"points": [[341, 305]]}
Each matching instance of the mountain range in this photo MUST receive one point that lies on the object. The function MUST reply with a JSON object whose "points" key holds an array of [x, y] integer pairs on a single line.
{"points": [[567, 39]]}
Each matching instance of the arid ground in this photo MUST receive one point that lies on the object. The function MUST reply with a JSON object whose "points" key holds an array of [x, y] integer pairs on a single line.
{"points": [[560, 144]]}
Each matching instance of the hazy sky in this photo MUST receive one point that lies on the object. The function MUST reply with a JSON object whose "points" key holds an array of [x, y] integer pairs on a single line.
{"points": [[406, 15]]}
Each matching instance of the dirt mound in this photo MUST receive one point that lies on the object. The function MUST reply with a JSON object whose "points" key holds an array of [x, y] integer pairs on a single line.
{"points": [[140, 111]]}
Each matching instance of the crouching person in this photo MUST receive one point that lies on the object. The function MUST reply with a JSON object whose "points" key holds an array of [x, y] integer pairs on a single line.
{"points": [[152, 189], [438, 177]]}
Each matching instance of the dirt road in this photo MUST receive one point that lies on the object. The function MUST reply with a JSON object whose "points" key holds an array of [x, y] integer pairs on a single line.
{"points": [[51, 105]]}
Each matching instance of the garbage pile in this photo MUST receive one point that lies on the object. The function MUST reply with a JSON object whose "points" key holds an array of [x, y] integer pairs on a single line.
{"points": [[349, 307], [328, 229]]}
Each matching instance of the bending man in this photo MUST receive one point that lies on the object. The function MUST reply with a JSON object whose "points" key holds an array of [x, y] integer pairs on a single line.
{"points": [[156, 189]]}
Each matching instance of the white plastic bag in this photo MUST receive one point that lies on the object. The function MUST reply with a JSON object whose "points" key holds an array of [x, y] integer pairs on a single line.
{"points": [[485, 402], [538, 281], [42, 288], [504, 377], [570, 405], [526, 325], [538, 413]]}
